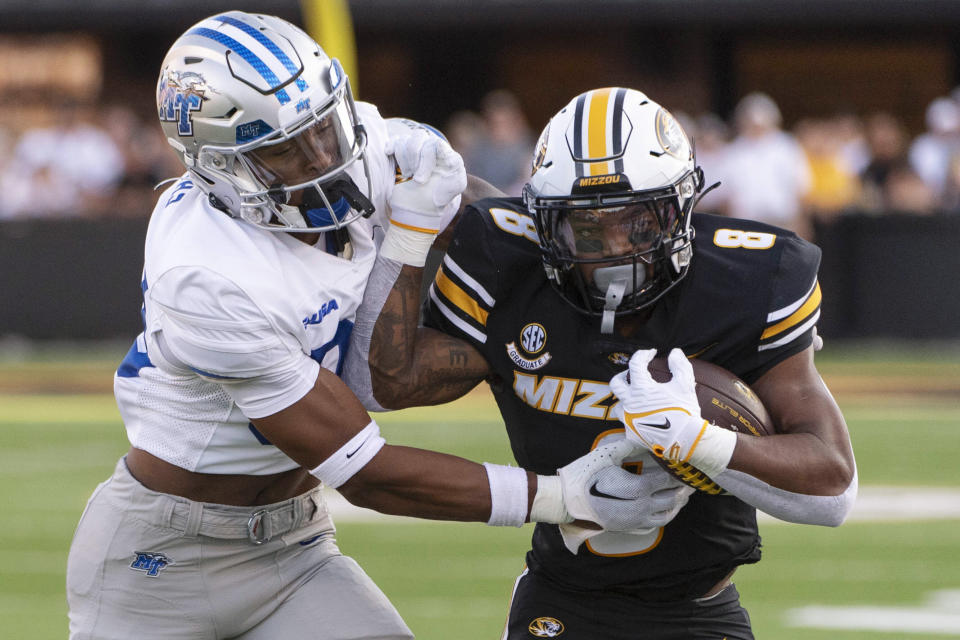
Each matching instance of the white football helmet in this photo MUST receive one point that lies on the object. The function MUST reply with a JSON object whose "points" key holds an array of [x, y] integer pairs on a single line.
{"points": [[266, 123], [614, 181]]}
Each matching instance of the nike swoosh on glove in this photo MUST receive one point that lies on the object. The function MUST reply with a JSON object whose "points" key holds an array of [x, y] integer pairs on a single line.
{"points": [[597, 489], [665, 416]]}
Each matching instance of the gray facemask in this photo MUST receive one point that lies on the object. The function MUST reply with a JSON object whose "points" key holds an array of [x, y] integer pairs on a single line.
{"points": [[616, 282]]}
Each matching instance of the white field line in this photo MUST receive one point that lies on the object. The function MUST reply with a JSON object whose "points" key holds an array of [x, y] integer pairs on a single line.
{"points": [[901, 504], [874, 504], [939, 615]]}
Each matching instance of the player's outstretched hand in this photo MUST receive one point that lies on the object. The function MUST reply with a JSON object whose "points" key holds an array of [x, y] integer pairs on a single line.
{"points": [[597, 489], [432, 177], [665, 417]]}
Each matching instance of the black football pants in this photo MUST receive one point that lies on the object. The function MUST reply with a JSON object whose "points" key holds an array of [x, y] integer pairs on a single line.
{"points": [[541, 609]]}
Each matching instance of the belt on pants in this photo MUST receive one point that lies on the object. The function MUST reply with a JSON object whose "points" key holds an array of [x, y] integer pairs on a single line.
{"points": [[258, 525]]}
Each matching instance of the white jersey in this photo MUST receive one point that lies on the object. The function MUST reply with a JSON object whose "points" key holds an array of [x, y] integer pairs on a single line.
{"points": [[237, 322]]}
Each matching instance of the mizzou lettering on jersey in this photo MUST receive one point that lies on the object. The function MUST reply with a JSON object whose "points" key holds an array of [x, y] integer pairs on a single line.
{"points": [[565, 396], [749, 301]]}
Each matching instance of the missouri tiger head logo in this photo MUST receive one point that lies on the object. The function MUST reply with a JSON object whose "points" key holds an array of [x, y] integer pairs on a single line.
{"points": [[619, 358], [671, 136], [541, 150], [545, 627]]}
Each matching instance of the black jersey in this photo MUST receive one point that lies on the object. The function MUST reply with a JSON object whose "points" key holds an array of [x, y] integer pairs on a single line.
{"points": [[749, 300]]}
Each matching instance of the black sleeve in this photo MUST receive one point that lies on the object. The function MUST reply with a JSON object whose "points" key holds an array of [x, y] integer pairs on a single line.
{"points": [[794, 307], [461, 295]]}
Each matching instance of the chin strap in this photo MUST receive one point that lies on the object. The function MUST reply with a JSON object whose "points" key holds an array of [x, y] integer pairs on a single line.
{"points": [[615, 281], [323, 206], [321, 216], [613, 299], [345, 188]]}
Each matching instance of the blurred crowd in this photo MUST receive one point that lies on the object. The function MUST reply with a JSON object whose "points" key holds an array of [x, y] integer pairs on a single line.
{"points": [[826, 167], [819, 169], [83, 162], [98, 163]]}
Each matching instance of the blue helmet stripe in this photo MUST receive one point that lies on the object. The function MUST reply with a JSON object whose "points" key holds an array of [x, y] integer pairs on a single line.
{"points": [[251, 58], [269, 44]]}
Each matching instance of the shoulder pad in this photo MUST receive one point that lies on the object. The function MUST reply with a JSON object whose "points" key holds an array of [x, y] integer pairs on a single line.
{"points": [[780, 270], [795, 303], [503, 219], [493, 240]]}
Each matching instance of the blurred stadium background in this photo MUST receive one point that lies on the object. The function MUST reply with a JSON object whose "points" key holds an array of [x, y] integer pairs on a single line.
{"points": [[70, 264]]}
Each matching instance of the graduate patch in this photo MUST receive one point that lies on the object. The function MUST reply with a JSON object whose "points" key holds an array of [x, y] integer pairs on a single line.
{"points": [[533, 339]]}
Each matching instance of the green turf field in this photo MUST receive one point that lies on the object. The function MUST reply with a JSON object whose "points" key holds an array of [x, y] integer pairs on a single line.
{"points": [[453, 580]]}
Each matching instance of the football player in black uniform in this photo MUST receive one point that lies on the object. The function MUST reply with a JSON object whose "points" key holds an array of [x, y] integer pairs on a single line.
{"points": [[600, 264]]}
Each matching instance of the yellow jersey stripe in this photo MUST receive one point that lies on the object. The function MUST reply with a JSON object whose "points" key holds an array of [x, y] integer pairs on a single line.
{"points": [[797, 316], [460, 298], [597, 144]]}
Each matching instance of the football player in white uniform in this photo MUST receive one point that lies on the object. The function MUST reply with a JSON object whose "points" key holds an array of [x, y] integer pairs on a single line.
{"points": [[213, 525]]}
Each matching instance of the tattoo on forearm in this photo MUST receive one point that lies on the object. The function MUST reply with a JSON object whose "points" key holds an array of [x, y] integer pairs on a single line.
{"points": [[459, 357], [413, 365], [395, 330]]}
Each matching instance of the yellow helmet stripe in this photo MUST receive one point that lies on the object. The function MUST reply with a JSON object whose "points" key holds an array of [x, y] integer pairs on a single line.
{"points": [[597, 129]]}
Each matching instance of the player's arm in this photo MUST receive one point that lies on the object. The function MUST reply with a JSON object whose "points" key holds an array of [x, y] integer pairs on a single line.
{"points": [[804, 473], [392, 362], [329, 426], [811, 452], [310, 414], [412, 365], [328, 432]]}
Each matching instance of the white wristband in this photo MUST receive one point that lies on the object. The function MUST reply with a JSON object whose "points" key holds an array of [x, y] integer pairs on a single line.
{"points": [[351, 457], [406, 245], [508, 495], [714, 450], [548, 503]]}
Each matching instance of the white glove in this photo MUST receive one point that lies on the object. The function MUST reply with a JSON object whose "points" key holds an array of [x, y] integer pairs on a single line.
{"points": [[597, 489], [665, 497], [665, 417], [426, 195]]}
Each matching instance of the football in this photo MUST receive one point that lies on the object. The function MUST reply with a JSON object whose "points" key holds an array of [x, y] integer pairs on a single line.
{"points": [[726, 401]]}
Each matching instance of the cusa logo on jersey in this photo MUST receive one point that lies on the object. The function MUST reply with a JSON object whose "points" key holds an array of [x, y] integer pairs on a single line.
{"points": [[320, 314]]}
